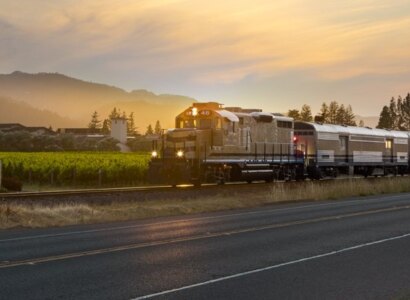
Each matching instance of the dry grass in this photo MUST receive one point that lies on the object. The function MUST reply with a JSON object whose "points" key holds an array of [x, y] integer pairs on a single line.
{"points": [[38, 215]]}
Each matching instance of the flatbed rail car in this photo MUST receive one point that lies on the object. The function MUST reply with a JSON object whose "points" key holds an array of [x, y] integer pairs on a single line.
{"points": [[331, 150], [214, 144]]}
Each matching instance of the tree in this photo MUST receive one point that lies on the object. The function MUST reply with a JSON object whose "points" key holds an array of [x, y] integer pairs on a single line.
{"points": [[393, 114], [306, 113], [400, 115], [405, 113], [106, 127], [149, 131], [349, 116], [385, 119], [157, 129], [324, 113], [340, 115], [294, 113], [114, 113], [95, 123], [131, 129], [333, 108]]}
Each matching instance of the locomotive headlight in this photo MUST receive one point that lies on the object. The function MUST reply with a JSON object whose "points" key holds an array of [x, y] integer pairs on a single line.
{"points": [[154, 154], [180, 153]]}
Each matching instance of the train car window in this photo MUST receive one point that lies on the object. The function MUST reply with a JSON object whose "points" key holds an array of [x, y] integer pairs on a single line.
{"points": [[358, 138], [263, 118], [284, 124], [342, 140], [241, 121], [303, 133], [388, 144], [189, 124]]}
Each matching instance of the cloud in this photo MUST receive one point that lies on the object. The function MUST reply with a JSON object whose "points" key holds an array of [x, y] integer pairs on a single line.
{"points": [[208, 43]]}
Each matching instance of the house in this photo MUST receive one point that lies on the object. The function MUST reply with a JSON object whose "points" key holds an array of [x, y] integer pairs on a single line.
{"points": [[15, 127]]}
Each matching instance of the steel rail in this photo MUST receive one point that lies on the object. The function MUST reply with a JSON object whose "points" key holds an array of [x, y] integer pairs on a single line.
{"points": [[159, 188]]}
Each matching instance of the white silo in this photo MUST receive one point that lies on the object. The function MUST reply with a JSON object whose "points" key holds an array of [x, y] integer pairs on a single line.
{"points": [[119, 129]]}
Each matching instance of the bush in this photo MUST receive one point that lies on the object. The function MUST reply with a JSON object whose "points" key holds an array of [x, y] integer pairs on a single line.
{"points": [[12, 184]]}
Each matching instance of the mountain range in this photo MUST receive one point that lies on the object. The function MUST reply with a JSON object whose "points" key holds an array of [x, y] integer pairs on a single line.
{"points": [[53, 99], [61, 101]]}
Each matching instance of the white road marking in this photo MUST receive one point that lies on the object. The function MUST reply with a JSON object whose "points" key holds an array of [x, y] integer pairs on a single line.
{"points": [[262, 212], [272, 267]]}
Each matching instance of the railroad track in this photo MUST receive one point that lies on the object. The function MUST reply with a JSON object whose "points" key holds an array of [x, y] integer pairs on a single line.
{"points": [[149, 189]]}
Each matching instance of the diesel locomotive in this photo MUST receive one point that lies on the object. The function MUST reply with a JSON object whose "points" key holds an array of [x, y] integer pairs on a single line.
{"points": [[212, 143]]}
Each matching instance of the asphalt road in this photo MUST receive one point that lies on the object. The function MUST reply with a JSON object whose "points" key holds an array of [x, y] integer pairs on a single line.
{"points": [[351, 249]]}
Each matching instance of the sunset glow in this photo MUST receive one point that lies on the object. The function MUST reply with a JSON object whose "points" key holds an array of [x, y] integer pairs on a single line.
{"points": [[271, 54]]}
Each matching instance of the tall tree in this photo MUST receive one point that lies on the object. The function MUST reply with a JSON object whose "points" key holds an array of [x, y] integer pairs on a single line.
{"points": [[131, 129], [157, 129], [149, 131], [106, 128], [333, 108], [324, 113], [95, 123], [306, 113], [294, 113], [340, 115], [349, 116], [394, 117], [114, 113], [385, 119], [400, 114], [405, 112]]}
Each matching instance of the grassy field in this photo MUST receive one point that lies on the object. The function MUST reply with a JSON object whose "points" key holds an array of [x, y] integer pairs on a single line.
{"points": [[37, 215], [75, 168]]}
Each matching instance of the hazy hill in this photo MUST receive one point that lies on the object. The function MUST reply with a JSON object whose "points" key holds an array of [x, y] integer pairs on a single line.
{"points": [[77, 99], [20, 112], [368, 121]]}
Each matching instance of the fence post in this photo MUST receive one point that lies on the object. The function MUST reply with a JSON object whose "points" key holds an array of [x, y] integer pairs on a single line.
{"points": [[99, 177], [52, 177], [73, 173]]}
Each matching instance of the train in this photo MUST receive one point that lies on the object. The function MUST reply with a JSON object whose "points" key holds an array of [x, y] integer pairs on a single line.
{"points": [[215, 144]]}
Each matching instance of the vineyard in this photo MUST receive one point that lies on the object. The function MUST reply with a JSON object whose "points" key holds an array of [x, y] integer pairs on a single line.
{"points": [[76, 168]]}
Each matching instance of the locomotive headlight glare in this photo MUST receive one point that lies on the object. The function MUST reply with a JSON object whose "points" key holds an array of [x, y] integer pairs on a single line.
{"points": [[154, 154], [180, 153]]}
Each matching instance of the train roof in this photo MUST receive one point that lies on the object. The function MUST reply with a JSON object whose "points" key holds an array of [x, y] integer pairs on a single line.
{"points": [[227, 114], [351, 130]]}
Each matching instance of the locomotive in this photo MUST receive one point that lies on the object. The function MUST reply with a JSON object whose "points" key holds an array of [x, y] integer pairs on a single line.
{"points": [[212, 143]]}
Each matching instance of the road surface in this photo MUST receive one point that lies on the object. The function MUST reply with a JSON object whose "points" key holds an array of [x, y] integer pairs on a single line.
{"points": [[350, 249]]}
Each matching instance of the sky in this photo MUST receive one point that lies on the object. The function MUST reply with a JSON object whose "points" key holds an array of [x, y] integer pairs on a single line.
{"points": [[274, 55]]}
